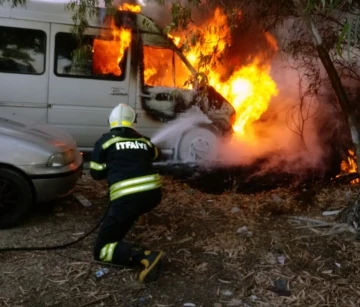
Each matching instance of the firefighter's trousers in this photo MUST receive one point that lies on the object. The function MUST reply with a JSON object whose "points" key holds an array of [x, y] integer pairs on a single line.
{"points": [[122, 215]]}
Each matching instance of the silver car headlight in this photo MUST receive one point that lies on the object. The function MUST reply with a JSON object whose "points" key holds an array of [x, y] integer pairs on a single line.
{"points": [[62, 159]]}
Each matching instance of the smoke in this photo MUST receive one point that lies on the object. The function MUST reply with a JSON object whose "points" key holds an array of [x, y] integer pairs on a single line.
{"points": [[168, 136], [159, 13], [274, 136], [285, 139]]}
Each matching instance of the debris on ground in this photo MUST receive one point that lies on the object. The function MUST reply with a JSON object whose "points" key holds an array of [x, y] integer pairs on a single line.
{"points": [[227, 292], [331, 212], [235, 210], [295, 256], [281, 259], [244, 232], [82, 200], [101, 272], [280, 287]]}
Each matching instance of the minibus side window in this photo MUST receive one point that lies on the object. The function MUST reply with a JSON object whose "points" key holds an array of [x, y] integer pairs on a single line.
{"points": [[86, 61], [22, 51], [164, 68]]}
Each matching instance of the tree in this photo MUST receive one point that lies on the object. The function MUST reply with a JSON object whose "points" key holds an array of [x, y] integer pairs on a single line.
{"points": [[352, 121]]}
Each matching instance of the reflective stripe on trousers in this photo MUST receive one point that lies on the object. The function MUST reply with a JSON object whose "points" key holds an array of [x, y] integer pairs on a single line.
{"points": [[135, 185], [107, 252]]}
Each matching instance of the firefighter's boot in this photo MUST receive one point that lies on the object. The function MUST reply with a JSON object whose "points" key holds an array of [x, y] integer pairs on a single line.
{"points": [[152, 264], [149, 260]]}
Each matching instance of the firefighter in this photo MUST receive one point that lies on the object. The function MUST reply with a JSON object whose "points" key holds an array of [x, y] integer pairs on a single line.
{"points": [[124, 157]]}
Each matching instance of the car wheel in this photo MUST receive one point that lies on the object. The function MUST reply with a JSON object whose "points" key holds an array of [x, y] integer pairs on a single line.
{"points": [[15, 197], [198, 145]]}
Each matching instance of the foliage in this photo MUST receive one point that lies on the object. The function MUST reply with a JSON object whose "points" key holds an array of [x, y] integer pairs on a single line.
{"points": [[298, 115], [344, 13], [14, 3], [336, 16], [338, 22], [85, 10]]}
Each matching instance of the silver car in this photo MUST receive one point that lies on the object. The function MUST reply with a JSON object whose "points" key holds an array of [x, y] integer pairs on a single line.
{"points": [[38, 163]]}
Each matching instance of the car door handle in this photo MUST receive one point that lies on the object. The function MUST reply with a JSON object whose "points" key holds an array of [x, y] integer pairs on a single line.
{"points": [[117, 92], [146, 96]]}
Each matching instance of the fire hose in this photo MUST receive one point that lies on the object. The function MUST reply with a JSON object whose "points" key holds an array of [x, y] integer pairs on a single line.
{"points": [[57, 246]]}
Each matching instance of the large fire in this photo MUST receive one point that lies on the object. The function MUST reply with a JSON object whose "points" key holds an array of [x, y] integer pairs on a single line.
{"points": [[248, 88]]}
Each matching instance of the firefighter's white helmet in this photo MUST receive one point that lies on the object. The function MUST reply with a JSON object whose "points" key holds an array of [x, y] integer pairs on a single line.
{"points": [[121, 116]]}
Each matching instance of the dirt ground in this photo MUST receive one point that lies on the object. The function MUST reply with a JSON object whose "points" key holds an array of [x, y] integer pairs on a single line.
{"points": [[228, 249]]}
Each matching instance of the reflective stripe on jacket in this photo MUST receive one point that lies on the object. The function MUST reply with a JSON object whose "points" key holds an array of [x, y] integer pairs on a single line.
{"points": [[134, 185]]}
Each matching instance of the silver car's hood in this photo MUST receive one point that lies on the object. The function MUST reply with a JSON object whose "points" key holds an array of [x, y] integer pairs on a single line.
{"points": [[36, 132], [24, 141]]}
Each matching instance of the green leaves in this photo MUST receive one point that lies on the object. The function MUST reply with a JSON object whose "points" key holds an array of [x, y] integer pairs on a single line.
{"points": [[326, 5], [350, 36], [345, 15], [341, 39], [81, 55], [160, 2], [83, 11], [180, 14], [14, 3]]}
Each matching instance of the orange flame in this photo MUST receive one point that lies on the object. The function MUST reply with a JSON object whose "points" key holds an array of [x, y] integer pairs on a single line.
{"points": [[272, 41], [108, 53], [130, 7], [248, 88], [176, 39], [208, 41], [350, 166], [159, 70]]}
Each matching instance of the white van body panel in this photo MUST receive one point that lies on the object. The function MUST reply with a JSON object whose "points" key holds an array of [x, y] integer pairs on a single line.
{"points": [[81, 105], [22, 94]]}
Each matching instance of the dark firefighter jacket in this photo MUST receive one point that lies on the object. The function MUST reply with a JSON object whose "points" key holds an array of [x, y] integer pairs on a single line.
{"points": [[125, 157]]}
